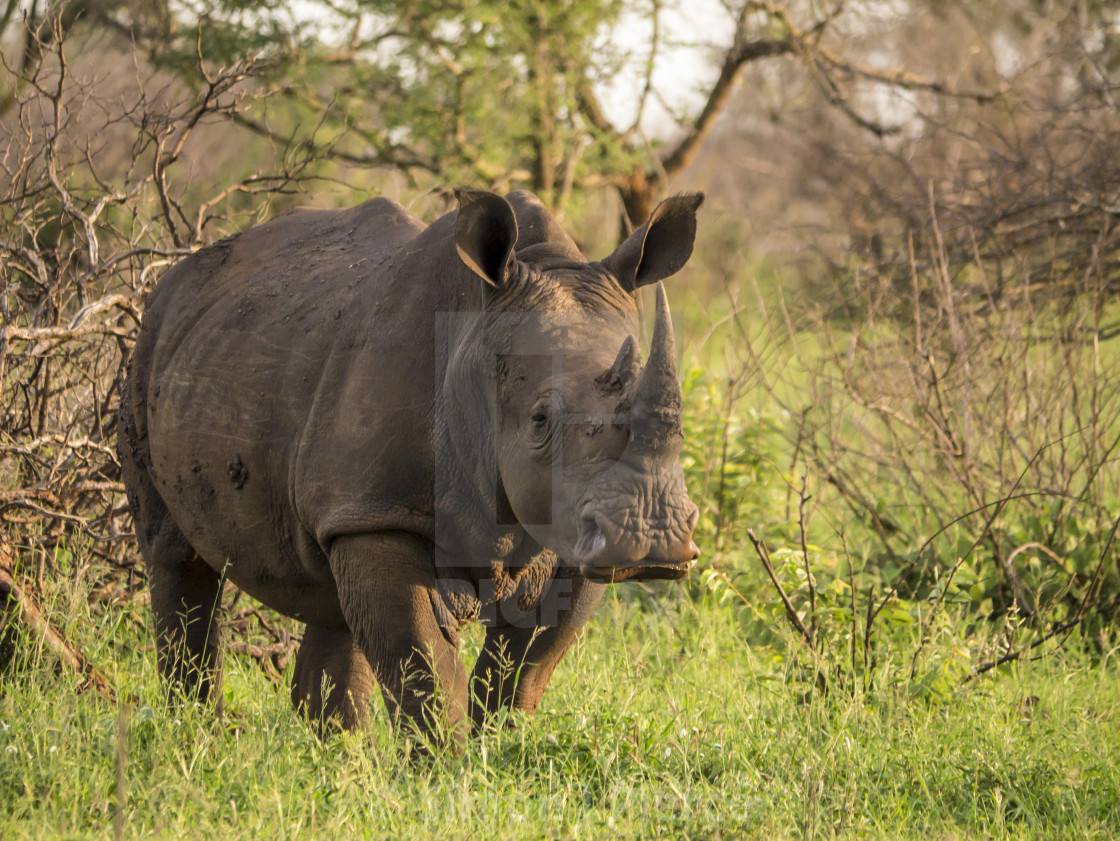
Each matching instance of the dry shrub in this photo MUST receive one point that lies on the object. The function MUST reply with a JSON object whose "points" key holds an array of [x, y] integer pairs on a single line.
{"points": [[108, 174], [958, 365]]}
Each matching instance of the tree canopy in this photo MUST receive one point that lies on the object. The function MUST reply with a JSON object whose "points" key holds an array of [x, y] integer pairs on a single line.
{"points": [[488, 93]]}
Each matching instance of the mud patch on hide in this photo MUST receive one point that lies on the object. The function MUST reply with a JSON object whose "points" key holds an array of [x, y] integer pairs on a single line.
{"points": [[237, 472]]}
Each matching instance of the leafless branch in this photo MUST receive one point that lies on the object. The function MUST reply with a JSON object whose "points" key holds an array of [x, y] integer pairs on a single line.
{"points": [[16, 602], [791, 612]]}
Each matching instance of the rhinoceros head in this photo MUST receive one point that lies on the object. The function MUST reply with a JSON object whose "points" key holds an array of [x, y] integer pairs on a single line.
{"points": [[587, 439]]}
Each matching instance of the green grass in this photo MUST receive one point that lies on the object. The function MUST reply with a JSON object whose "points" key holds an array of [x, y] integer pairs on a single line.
{"points": [[664, 721], [685, 711]]}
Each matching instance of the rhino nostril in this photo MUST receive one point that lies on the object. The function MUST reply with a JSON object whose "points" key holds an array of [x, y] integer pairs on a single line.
{"points": [[608, 530], [693, 550], [598, 542], [592, 539]]}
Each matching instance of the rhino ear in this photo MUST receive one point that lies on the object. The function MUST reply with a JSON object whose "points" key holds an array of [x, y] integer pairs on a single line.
{"points": [[485, 234], [660, 247]]}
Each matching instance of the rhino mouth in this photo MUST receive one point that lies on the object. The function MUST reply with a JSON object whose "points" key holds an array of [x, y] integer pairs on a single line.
{"points": [[638, 572], [606, 554]]}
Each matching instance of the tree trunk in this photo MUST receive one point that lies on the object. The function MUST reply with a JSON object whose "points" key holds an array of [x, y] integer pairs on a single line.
{"points": [[639, 195]]}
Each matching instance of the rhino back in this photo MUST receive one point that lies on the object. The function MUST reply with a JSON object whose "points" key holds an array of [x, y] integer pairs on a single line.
{"points": [[278, 376]]}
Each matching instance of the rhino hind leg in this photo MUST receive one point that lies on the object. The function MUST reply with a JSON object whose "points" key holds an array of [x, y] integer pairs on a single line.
{"points": [[333, 680], [186, 600], [186, 592]]}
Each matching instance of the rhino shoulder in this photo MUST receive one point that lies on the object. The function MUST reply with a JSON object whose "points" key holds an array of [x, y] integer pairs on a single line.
{"points": [[383, 210], [536, 225]]}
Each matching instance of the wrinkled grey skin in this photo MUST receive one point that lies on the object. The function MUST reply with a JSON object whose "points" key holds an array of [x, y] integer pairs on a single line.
{"points": [[385, 430]]}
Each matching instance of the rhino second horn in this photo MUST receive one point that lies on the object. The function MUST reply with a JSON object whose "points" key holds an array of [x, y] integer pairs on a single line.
{"points": [[656, 395], [626, 365]]}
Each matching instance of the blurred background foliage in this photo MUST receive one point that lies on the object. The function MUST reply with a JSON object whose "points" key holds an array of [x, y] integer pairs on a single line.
{"points": [[902, 366]]}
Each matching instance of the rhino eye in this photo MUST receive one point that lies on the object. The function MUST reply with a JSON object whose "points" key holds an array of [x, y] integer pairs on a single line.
{"points": [[541, 421]]}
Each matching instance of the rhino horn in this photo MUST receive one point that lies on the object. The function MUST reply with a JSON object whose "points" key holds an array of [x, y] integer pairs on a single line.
{"points": [[655, 397]]}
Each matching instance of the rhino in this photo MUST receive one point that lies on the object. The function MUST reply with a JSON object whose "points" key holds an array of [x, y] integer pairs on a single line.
{"points": [[386, 430]]}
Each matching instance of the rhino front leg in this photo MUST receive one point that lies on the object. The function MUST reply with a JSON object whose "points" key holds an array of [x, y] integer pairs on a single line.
{"points": [[517, 661], [333, 680], [387, 589]]}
